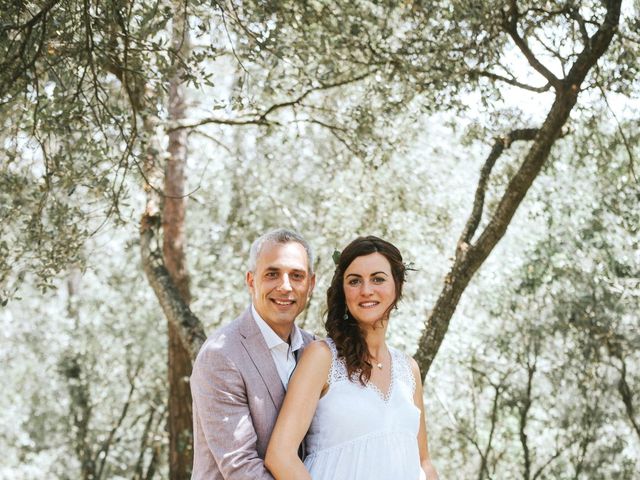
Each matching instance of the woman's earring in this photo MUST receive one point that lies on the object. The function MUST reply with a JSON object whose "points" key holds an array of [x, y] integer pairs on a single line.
{"points": [[346, 315]]}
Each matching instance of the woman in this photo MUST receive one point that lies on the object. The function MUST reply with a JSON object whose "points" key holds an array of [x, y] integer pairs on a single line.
{"points": [[358, 401]]}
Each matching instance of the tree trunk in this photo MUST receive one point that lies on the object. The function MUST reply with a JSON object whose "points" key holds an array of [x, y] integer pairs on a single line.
{"points": [[471, 255], [81, 403], [185, 331], [173, 249]]}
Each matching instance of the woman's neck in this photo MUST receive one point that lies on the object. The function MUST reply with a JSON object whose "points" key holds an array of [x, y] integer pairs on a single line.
{"points": [[376, 341]]}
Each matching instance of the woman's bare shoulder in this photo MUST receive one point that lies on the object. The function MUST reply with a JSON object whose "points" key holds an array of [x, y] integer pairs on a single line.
{"points": [[318, 350]]}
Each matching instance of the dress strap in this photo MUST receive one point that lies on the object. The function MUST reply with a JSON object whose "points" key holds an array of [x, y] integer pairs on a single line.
{"points": [[403, 373], [338, 371]]}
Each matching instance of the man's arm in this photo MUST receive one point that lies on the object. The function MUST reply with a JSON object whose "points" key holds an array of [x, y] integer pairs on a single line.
{"points": [[220, 396]]}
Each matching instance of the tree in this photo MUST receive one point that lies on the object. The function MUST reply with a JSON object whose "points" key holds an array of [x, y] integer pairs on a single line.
{"points": [[113, 72]]}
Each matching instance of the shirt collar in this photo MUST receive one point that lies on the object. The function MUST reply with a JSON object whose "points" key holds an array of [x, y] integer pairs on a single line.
{"points": [[272, 338]]}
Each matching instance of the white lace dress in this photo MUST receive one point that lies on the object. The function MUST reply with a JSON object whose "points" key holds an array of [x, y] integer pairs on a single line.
{"points": [[357, 433]]}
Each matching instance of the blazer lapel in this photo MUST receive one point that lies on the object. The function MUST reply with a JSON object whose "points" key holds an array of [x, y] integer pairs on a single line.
{"points": [[256, 348]]}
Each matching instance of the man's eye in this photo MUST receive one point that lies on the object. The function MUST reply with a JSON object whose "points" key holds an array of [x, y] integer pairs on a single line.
{"points": [[271, 274], [297, 276]]}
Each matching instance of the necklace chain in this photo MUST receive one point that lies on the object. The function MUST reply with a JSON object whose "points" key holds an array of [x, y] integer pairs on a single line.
{"points": [[378, 364]]}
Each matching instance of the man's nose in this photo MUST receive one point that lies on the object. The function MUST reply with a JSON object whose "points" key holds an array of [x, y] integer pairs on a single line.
{"points": [[286, 284]]}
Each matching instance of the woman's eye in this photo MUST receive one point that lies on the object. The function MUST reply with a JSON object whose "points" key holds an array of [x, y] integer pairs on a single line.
{"points": [[378, 279], [354, 282]]}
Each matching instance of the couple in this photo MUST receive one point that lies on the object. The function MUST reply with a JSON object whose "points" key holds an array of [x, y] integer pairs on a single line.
{"points": [[353, 407]]}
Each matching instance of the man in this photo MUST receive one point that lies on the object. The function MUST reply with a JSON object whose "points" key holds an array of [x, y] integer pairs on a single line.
{"points": [[241, 373]]}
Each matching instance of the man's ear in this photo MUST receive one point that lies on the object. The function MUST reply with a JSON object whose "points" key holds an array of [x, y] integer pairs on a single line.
{"points": [[312, 282], [249, 280]]}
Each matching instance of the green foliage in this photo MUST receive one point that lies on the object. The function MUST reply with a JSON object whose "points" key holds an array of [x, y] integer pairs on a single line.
{"points": [[72, 363], [568, 316], [338, 119]]}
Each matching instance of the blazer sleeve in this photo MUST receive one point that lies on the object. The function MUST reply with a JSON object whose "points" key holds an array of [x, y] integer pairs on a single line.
{"points": [[220, 396]]}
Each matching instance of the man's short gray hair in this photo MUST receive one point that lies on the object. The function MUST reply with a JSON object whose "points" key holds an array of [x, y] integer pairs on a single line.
{"points": [[280, 235]]}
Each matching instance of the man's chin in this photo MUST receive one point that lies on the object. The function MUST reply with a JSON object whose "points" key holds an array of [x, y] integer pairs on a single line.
{"points": [[285, 317]]}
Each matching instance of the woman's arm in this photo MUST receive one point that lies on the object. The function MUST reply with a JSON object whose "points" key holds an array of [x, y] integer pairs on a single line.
{"points": [[423, 445], [307, 384]]}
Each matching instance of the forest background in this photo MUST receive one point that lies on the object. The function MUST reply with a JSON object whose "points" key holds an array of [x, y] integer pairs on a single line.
{"points": [[146, 144]]}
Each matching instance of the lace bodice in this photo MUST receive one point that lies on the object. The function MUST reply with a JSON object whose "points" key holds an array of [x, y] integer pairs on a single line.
{"points": [[357, 432], [400, 371]]}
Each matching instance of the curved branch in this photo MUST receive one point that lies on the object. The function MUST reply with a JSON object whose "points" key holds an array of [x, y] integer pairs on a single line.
{"points": [[254, 120], [465, 265], [511, 81], [260, 118], [174, 307], [40, 16], [625, 140], [326, 86], [597, 44], [510, 25], [478, 203]]}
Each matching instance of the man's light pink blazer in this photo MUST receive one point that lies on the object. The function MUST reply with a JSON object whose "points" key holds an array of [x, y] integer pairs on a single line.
{"points": [[237, 394]]}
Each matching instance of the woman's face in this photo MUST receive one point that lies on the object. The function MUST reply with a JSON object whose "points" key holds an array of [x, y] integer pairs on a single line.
{"points": [[369, 288]]}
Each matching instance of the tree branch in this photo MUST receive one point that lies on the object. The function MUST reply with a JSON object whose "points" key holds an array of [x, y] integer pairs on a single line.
{"points": [[138, 469], [103, 451], [251, 120], [325, 86], [494, 420], [510, 25], [40, 16], [574, 13], [524, 412], [627, 395], [260, 118], [597, 45], [478, 203], [553, 457], [465, 265], [174, 307], [625, 140], [511, 81]]}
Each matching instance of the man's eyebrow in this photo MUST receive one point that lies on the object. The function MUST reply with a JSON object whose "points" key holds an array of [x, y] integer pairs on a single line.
{"points": [[277, 269]]}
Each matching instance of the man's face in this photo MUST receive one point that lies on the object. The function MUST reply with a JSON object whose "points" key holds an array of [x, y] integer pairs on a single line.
{"points": [[281, 285]]}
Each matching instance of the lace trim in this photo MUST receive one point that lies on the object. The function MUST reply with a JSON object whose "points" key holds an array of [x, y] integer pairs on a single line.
{"points": [[338, 371], [404, 372], [400, 371]]}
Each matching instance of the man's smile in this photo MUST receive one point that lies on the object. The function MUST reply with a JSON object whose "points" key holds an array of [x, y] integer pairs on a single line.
{"points": [[283, 302]]}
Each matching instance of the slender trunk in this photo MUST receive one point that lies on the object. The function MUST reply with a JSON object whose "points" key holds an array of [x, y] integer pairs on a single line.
{"points": [[524, 417], [164, 212], [81, 403], [470, 255], [173, 249], [185, 331]]}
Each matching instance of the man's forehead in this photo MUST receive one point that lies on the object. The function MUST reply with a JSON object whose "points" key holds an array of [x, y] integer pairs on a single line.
{"points": [[289, 255]]}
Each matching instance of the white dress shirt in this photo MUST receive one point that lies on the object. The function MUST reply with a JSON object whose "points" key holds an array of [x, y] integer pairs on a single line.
{"points": [[283, 354]]}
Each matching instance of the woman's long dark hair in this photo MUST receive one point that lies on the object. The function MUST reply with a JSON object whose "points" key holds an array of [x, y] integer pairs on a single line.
{"points": [[345, 332]]}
